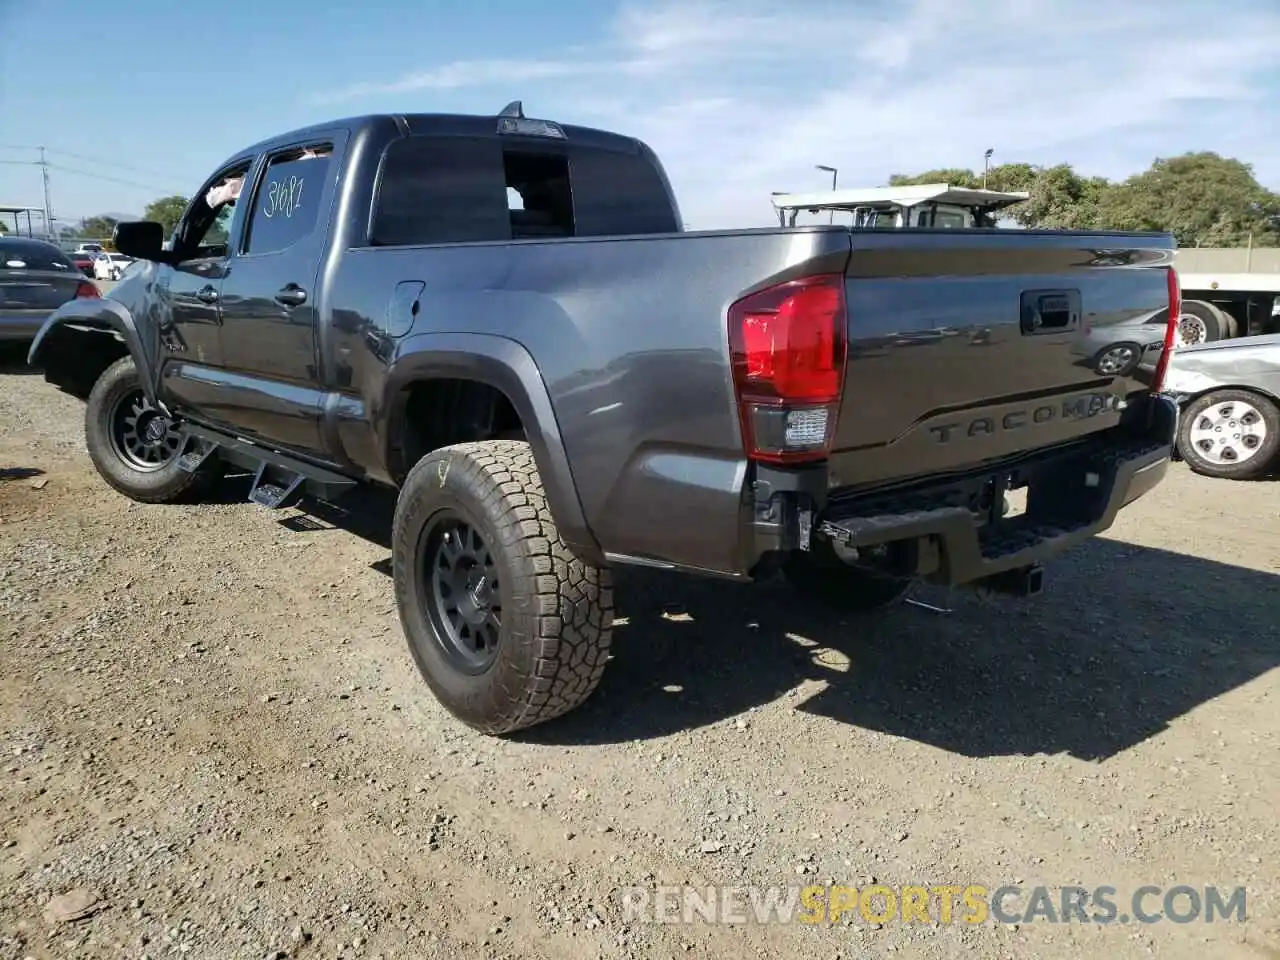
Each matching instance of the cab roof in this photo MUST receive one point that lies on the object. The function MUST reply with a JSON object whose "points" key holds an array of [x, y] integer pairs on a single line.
{"points": [[442, 125]]}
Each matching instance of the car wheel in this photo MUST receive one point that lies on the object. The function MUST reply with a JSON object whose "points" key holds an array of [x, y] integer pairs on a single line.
{"points": [[508, 628], [133, 446], [1117, 360], [820, 575], [1230, 433], [1201, 322]]}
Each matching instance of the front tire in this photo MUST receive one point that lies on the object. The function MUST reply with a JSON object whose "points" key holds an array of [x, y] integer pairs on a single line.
{"points": [[1233, 434], [507, 627], [132, 445]]}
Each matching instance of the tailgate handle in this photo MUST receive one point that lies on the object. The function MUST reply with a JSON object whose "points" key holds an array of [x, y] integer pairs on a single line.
{"points": [[1050, 311]]}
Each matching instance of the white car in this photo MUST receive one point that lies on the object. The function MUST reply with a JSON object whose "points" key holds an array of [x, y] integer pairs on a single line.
{"points": [[110, 266]]}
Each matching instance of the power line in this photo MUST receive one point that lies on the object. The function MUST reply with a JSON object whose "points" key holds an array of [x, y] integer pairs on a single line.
{"points": [[80, 156], [83, 173], [44, 165], [105, 163], [103, 176]]}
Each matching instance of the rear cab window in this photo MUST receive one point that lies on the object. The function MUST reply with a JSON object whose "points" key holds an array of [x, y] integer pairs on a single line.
{"points": [[16, 254], [470, 189]]}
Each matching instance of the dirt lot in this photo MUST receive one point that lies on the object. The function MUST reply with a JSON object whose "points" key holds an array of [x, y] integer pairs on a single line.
{"points": [[210, 723]]}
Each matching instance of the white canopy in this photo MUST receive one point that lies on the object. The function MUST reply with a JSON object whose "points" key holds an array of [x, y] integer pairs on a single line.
{"points": [[906, 196]]}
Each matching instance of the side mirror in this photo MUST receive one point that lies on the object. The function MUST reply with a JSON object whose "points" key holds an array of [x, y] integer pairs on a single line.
{"points": [[140, 239]]}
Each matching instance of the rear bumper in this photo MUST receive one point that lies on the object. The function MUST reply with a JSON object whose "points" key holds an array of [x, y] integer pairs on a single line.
{"points": [[20, 326], [951, 530]]}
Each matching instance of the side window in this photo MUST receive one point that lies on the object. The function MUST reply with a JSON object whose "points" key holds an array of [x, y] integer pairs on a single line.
{"points": [[220, 230], [205, 229], [286, 204], [441, 190], [619, 192]]}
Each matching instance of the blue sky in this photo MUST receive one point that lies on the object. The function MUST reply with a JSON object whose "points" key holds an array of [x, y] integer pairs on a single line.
{"points": [[738, 98]]}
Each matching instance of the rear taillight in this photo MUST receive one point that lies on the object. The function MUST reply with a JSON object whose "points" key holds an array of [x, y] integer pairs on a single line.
{"points": [[1170, 332], [788, 350], [87, 289]]}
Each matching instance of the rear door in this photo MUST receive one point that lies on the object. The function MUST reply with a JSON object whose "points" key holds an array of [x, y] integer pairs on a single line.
{"points": [[268, 297], [971, 346]]}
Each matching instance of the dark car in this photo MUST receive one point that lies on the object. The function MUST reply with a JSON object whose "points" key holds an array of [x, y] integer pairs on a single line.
{"points": [[35, 279], [502, 318]]}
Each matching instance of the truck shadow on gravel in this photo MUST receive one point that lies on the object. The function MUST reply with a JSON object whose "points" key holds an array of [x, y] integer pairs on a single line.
{"points": [[1124, 640], [13, 360], [19, 473]]}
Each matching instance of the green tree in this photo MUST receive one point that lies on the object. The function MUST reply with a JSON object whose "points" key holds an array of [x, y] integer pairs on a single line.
{"points": [[166, 211], [954, 176], [3, 228], [1062, 199], [1059, 196], [96, 228], [1203, 199]]}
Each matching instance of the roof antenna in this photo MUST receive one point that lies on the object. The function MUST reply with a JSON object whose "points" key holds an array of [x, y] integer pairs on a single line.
{"points": [[513, 109]]}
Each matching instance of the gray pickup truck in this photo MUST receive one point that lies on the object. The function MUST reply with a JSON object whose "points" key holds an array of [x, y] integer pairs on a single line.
{"points": [[501, 318]]}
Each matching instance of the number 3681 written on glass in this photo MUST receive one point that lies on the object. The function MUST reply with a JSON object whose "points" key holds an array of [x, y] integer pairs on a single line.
{"points": [[284, 197]]}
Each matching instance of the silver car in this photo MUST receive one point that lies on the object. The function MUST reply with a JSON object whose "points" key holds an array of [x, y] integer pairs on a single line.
{"points": [[1229, 391]]}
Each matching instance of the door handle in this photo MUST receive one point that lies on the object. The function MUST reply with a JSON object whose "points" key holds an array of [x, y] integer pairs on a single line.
{"points": [[207, 294], [291, 295]]}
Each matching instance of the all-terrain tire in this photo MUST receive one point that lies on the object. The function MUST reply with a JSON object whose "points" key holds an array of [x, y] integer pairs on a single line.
{"points": [[163, 482], [820, 575], [1262, 457], [556, 611]]}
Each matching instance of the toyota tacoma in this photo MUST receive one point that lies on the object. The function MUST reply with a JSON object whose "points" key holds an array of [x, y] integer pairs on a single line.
{"points": [[503, 319]]}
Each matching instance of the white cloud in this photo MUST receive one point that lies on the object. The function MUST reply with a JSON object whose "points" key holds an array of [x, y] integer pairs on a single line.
{"points": [[740, 98]]}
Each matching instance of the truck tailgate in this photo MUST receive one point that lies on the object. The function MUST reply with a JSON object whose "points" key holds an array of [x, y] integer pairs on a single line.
{"points": [[966, 346]]}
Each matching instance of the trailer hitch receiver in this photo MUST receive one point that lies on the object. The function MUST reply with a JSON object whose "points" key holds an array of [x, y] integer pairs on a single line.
{"points": [[1018, 582]]}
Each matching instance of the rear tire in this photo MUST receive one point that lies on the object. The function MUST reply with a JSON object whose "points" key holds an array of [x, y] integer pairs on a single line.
{"points": [[507, 658], [1202, 322], [132, 445], [820, 575], [1233, 434]]}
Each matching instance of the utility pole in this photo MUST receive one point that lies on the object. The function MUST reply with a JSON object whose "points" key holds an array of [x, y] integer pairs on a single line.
{"points": [[48, 208]]}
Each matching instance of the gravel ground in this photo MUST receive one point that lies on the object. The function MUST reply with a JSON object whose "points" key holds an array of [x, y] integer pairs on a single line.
{"points": [[213, 742]]}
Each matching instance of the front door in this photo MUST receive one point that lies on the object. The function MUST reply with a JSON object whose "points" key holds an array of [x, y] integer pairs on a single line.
{"points": [[267, 298], [189, 322]]}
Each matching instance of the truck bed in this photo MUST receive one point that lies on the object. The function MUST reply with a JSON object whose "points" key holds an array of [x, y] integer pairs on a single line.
{"points": [[630, 336]]}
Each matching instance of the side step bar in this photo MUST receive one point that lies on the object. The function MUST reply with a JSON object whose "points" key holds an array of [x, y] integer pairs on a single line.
{"points": [[279, 479]]}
